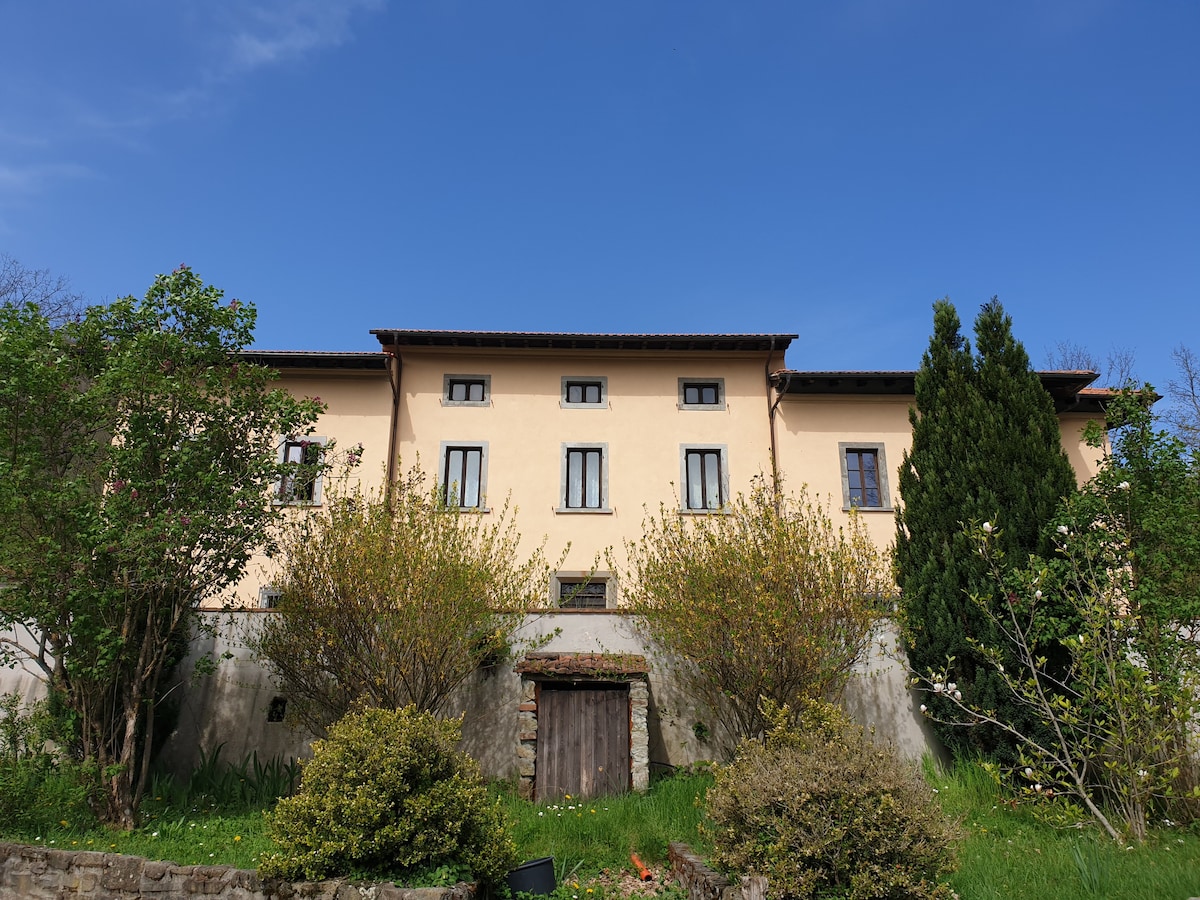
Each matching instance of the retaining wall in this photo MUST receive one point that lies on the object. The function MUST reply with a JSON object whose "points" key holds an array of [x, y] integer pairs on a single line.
{"points": [[40, 872], [702, 883]]}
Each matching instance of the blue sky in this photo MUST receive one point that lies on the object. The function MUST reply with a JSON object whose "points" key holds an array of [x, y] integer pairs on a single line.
{"points": [[828, 169]]}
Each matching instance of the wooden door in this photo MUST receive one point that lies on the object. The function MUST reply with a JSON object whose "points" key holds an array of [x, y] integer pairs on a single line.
{"points": [[583, 740]]}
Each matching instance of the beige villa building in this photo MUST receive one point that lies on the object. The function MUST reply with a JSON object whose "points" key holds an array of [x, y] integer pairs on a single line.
{"points": [[584, 434]]}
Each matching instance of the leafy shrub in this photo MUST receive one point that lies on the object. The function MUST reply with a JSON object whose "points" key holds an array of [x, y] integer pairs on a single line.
{"points": [[825, 812], [39, 788], [387, 793]]}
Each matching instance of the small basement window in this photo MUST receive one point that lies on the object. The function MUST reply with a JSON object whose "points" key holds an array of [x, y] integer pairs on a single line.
{"points": [[277, 709]]}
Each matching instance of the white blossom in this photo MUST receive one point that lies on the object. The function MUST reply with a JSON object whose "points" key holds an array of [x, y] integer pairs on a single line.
{"points": [[958, 695], [1037, 595], [938, 687], [951, 686], [1124, 486], [1028, 772], [1063, 529], [924, 708], [987, 527]]}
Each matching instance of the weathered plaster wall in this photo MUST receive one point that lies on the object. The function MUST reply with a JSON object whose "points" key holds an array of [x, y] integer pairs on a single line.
{"points": [[230, 706]]}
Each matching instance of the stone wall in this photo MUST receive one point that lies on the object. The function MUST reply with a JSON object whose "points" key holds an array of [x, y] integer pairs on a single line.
{"points": [[702, 883], [39, 872]]}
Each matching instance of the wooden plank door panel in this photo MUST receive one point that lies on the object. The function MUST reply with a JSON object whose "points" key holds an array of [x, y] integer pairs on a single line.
{"points": [[583, 740]]}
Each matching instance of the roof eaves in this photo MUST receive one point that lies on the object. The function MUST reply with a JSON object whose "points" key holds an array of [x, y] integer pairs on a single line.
{"points": [[521, 340]]}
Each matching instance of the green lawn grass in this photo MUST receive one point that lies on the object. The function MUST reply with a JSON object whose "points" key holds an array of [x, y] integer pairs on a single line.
{"points": [[585, 837], [1006, 853], [1009, 853]]}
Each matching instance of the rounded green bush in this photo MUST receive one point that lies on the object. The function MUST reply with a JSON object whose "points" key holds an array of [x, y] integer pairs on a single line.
{"points": [[827, 813], [388, 794]]}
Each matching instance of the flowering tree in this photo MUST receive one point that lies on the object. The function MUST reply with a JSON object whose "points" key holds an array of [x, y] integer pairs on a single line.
{"points": [[1113, 736], [765, 600], [137, 456]]}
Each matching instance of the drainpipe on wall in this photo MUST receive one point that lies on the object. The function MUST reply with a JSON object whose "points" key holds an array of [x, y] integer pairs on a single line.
{"points": [[393, 458], [772, 408]]}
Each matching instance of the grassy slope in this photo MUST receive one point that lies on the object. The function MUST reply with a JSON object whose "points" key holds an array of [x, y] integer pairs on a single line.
{"points": [[1006, 853], [1010, 854]]}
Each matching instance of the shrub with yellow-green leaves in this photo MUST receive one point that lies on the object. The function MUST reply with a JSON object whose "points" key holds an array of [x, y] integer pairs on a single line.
{"points": [[825, 812], [388, 794], [771, 599]]}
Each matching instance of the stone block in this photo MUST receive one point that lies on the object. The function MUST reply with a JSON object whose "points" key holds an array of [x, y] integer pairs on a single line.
{"points": [[154, 870], [123, 873]]}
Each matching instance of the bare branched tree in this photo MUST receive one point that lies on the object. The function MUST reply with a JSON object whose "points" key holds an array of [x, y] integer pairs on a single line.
{"points": [[1067, 356], [1116, 371], [1184, 393], [1121, 362], [50, 293]]}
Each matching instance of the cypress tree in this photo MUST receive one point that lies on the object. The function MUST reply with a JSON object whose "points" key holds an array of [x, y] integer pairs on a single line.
{"points": [[985, 447]]}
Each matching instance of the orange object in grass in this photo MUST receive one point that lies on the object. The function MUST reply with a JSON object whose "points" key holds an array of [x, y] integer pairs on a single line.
{"points": [[643, 872]]}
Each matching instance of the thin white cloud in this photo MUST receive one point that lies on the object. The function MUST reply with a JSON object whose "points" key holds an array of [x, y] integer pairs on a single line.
{"points": [[285, 30], [236, 38]]}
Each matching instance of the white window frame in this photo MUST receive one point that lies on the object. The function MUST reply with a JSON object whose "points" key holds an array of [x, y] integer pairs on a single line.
{"points": [[277, 497], [268, 596], [723, 480], [885, 497], [601, 380], [558, 579], [563, 488], [719, 382], [444, 448], [487, 390]]}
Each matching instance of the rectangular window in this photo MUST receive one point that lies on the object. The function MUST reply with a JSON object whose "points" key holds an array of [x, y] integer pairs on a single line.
{"points": [[580, 392], [705, 480], [467, 390], [268, 597], [584, 482], [701, 393], [463, 476], [300, 482], [864, 476], [588, 594], [582, 590]]}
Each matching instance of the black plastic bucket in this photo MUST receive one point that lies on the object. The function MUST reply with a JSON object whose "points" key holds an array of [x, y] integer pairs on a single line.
{"points": [[533, 877]]}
